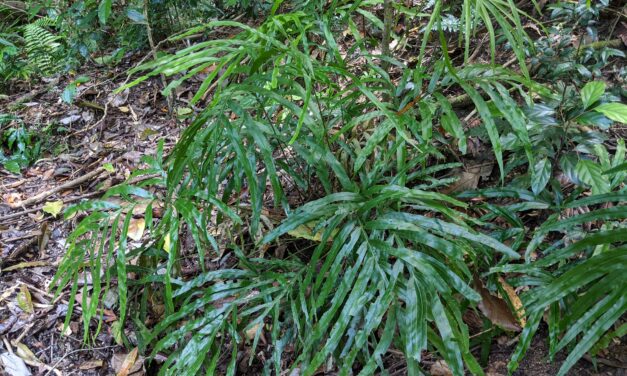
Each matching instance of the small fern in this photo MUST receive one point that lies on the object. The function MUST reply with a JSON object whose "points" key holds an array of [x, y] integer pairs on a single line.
{"points": [[42, 46]]}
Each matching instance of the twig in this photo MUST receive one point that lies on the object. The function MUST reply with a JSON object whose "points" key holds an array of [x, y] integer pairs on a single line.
{"points": [[76, 198], [19, 250], [606, 362], [104, 116], [66, 185]]}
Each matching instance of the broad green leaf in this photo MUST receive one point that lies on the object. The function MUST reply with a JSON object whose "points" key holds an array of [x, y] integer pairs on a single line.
{"points": [[12, 166], [69, 93], [590, 173], [592, 335], [621, 167], [592, 92], [104, 11], [614, 111], [540, 175], [108, 167]]}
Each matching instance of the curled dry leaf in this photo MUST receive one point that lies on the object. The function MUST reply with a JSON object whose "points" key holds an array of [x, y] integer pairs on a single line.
{"points": [[515, 301], [440, 368], [91, 364], [24, 300], [128, 364], [496, 309], [136, 228]]}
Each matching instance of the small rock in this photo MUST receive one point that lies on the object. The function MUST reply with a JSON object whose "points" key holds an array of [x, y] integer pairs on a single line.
{"points": [[13, 365], [70, 119]]}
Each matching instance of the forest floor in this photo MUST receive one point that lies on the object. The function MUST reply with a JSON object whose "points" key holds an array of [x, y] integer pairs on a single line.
{"points": [[89, 146]]}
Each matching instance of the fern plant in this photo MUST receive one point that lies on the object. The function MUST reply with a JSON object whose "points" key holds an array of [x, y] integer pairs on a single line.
{"points": [[42, 46]]}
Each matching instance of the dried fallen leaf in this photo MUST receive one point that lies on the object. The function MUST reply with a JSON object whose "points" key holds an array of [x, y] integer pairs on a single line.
{"points": [[440, 368], [128, 364], [305, 231], [12, 198], [91, 364], [136, 228], [27, 354], [53, 207], [250, 333], [31, 359], [24, 300], [469, 178], [29, 264], [515, 301], [496, 309]]}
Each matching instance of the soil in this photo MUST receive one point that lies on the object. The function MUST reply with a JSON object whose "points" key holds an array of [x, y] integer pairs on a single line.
{"points": [[78, 139]]}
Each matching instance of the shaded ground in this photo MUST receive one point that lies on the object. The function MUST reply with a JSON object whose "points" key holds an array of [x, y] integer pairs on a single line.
{"points": [[78, 140]]}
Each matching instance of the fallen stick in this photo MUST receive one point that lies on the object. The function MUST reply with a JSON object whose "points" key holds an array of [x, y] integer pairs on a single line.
{"points": [[66, 185], [76, 198]]}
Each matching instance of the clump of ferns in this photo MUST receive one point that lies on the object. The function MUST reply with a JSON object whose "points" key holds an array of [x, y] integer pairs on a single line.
{"points": [[42, 47]]}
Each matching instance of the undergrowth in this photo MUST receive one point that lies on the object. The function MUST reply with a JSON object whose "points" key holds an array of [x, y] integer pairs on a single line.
{"points": [[306, 139]]}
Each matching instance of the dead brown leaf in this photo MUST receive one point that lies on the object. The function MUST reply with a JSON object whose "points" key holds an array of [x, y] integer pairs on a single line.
{"points": [[440, 368], [468, 178], [128, 363], [28, 264], [91, 364], [496, 309], [136, 228], [24, 300], [515, 301]]}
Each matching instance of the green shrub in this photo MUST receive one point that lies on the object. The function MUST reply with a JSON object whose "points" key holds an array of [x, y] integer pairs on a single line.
{"points": [[386, 260]]}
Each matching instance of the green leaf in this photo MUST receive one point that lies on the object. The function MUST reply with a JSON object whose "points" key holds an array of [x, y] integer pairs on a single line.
{"points": [[12, 166], [621, 167], [69, 93], [53, 207], [592, 336], [104, 11], [136, 16], [591, 174], [108, 167], [614, 111], [592, 92], [540, 175]]}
